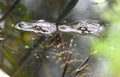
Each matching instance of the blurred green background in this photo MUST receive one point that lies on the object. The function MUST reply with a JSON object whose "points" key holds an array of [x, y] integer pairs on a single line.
{"points": [[109, 47]]}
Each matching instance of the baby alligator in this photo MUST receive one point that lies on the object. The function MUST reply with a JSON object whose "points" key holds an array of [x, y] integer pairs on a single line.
{"points": [[40, 27], [82, 28]]}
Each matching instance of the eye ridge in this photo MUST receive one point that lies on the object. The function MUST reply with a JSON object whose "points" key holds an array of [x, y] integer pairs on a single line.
{"points": [[39, 28]]}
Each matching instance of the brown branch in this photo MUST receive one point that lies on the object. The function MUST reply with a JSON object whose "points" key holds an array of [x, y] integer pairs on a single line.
{"points": [[82, 66], [68, 59]]}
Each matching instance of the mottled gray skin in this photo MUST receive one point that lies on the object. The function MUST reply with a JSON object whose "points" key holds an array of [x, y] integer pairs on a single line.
{"points": [[45, 28], [82, 28], [40, 27]]}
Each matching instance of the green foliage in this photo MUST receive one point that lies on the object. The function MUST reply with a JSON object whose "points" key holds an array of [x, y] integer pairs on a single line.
{"points": [[21, 14], [110, 47]]}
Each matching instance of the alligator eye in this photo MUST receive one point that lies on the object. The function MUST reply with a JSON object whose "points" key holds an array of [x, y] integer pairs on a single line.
{"points": [[39, 28], [84, 29]]}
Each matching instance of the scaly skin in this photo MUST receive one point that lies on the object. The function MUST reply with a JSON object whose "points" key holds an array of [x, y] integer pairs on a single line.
{"points": [[82, 27], [40, 27]]}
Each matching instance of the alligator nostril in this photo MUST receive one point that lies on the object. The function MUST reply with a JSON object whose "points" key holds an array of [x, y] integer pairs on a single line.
{"points": [[22, 25], [63, 27]]}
